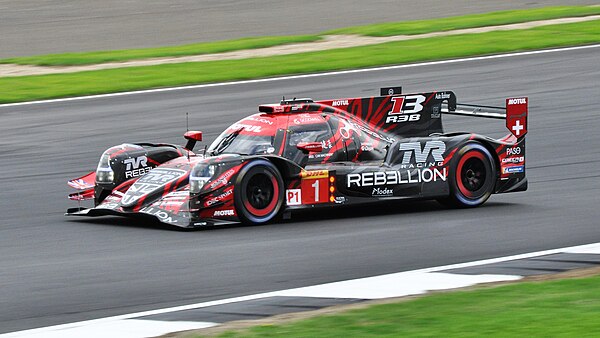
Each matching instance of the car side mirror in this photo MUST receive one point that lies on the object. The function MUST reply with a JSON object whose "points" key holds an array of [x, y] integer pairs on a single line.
{"points": [[192, 136], [310, 147]]}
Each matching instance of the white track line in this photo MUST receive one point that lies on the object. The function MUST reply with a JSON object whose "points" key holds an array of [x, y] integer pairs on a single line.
{"points": [[129, 328], [353, 71], [588, 248]]}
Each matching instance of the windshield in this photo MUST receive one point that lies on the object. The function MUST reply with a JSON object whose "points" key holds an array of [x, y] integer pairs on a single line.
{"points": [[236, 142], [255, 134]]}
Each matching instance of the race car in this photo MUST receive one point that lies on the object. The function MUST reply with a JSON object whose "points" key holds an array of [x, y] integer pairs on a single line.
{"points": [[305, 154]]}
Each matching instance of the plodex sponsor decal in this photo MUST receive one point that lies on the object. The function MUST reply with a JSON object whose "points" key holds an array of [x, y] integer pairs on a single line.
{"points": [[382, 192], [405, 109], [136, 166], [382, 178]]}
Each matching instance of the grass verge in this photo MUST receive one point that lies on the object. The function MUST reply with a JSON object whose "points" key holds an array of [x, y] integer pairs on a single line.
{"points": [[384, 29], [556, 308], [26, 88], [468, 21], [87, 58]]}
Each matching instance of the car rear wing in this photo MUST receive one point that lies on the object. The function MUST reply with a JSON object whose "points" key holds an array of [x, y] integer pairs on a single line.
{"points": [[516, 109], [514, 112], [465, 109]]}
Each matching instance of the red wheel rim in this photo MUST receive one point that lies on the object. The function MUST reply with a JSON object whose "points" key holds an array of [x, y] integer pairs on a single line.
{"points": [[258, 191], [467, 180]]}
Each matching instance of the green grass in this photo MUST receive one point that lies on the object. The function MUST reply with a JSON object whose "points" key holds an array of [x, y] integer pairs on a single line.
{"points": [[86, 58], [560, 308], [468, 21], [26, 88], [384, 29]]}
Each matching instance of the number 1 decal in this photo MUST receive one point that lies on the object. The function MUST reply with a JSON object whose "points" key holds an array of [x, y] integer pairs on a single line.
{"points": [[316, 186]]}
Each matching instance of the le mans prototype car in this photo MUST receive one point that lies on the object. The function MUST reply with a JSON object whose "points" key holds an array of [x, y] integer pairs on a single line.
{"points": [[302, 154]]}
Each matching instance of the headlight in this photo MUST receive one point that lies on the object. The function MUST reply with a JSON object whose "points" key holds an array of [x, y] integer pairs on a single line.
{"points": [[104, 173], [201, 174]]}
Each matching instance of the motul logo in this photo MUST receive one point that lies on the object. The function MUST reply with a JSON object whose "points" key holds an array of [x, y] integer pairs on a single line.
{"points": [[339, 103], [521, 100], [228, 212]]}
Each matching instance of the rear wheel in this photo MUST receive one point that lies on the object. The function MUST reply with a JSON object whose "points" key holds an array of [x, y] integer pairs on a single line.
{"points": [[473, 178], [258, 192]]}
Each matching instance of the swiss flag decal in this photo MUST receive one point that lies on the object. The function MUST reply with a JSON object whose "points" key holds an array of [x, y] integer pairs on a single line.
{"points": [[516, 116]]}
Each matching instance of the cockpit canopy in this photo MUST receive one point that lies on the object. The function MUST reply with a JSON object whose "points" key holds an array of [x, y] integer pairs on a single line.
{"points": [[279, 134]]}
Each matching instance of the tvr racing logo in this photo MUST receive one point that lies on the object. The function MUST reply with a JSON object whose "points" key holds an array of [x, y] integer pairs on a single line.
{"points": [[417, 155], [405, 109], [135, 167]]}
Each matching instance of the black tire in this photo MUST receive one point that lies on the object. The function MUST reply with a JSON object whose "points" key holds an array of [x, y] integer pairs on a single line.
{"points": [[258, 192], [472, 178]]}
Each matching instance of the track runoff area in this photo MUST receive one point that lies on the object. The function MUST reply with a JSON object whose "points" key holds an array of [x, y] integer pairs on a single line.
{"points": [[212, 313], [407, 283]]}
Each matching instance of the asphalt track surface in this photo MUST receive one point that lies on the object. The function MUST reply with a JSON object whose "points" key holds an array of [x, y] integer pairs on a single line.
{"points": [[56, 269], [30, 27]]}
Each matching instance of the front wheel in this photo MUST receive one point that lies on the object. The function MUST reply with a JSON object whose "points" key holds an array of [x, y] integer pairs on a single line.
{"points": [[258, 194], [473, 178]]}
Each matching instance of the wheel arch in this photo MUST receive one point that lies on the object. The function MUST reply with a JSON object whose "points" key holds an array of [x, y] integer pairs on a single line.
{"points": [[287, 168]]}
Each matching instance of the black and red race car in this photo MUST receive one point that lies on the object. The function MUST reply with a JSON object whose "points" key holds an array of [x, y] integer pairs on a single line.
{"points": [[302, 154]]}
